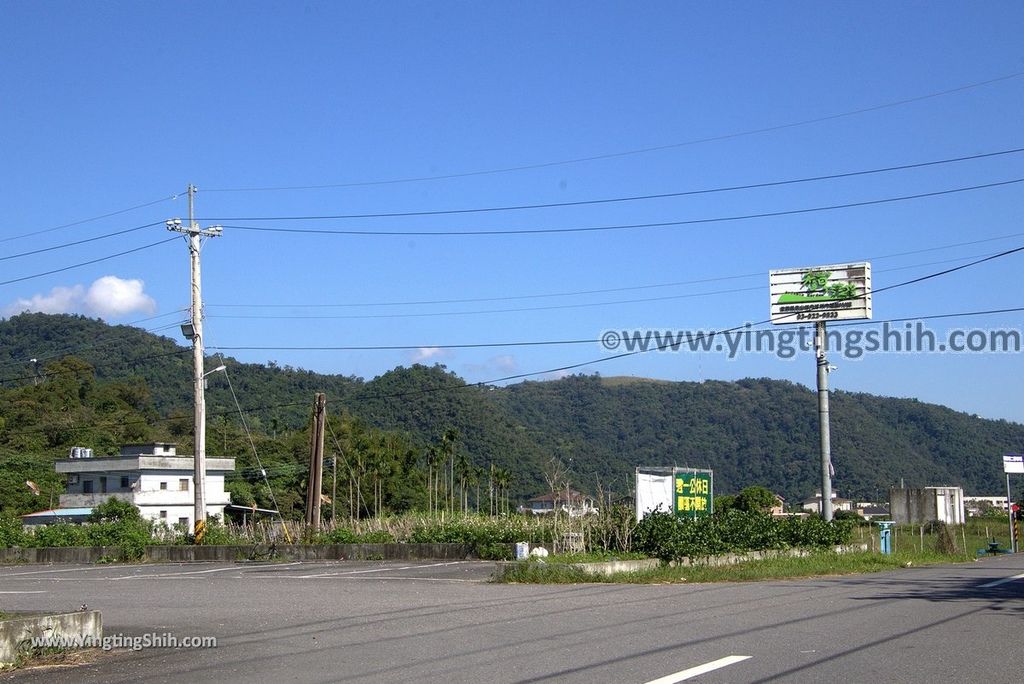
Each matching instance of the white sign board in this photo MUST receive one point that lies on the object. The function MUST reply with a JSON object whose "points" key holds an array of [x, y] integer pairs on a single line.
{"points": [[1013, 463], [838, 292]]}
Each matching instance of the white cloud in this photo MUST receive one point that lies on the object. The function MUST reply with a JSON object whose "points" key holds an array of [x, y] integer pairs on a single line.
{"points": [[505, 362], [109, 297], [59, 300], [113, 297], [426, 353]]}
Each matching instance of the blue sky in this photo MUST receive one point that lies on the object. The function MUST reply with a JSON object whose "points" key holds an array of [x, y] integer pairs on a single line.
{"points": [[114, 105]]}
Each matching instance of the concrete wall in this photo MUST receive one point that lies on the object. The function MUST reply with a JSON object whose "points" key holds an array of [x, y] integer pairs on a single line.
{"points": [[14, 632], [230, 554], [918, 506]]}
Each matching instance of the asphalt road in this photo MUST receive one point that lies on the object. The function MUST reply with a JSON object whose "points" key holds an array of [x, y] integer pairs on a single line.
{"points": [[443, 622]]}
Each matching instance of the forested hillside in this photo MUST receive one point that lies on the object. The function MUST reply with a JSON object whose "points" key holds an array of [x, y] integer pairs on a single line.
{"points": [[100, 386]]}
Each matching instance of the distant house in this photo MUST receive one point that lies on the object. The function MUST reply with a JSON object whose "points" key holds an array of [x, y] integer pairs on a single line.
{"points": [[813, 505], [572, 502], [151, 476], [870, 511], [979, 505], [778, 508]]}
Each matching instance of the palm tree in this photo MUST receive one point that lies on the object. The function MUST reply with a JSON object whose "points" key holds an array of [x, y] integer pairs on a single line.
{"points": [[450, 440], [502, 479]]}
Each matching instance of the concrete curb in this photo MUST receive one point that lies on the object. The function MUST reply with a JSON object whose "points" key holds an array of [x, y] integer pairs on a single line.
{"points": [[86, 626], [610, 568], [230, 554]]}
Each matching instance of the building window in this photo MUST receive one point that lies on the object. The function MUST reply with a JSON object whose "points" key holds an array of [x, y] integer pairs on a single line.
{"points": [[183, 485], [87, 486], [183, 522], [125, 483], [103, 485], [163, 515], [163, 485]]}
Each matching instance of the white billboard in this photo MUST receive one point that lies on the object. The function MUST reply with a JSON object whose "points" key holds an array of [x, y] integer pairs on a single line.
{"points": [[1013, 463], [838, 292]]}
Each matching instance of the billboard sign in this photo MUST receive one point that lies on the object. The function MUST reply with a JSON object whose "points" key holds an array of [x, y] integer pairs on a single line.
{"points": [[838, 292], [694, 493], [1013, 463]]}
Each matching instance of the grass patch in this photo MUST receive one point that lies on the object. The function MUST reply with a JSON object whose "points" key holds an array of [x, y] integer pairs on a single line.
{"points": [[820, 564]]}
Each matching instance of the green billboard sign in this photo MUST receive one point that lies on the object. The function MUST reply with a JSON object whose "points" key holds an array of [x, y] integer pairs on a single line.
{"points": [[694, 493]]}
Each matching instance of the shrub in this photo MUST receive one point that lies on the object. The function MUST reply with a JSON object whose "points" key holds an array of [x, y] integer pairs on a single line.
{"points": [[667, 537], [12, 533]]}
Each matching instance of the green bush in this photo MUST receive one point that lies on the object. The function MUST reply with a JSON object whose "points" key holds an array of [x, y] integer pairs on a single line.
{"points": [[339, 535], [12, 533], [114, 510], [665, 536]]}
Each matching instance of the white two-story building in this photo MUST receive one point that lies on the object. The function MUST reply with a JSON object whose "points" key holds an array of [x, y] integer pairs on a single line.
{"points": [[151, 476]]}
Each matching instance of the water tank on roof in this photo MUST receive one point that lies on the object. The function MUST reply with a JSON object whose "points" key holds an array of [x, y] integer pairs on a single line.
{"points": [[76, 452]]}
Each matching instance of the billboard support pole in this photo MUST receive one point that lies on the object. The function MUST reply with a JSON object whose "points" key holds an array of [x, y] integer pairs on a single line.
{"points": [[1009, 511], [820, 348]]}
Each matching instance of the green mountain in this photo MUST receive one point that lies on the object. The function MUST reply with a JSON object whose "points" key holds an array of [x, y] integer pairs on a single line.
{"points": [[755, 431]]}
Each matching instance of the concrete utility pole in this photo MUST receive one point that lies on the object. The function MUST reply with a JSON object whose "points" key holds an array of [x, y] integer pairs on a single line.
{"points": [[194, 330], [820, 348]]}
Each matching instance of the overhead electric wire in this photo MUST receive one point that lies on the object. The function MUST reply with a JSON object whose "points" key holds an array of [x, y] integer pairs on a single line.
{"points": [[89, 220], [87, 263], [552, 343], [591, 362], [547, 295], [637, 151], [552, 307], [252, 444], [79, 242], [632, 198], [65, 351], [49, 374], [618, 227], [744, 329], [662, 346]]}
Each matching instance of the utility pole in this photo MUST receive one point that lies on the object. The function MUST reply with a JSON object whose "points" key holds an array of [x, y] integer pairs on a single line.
{"points": [[316, 462], [334, 487], [194, 330], [820, 349]]}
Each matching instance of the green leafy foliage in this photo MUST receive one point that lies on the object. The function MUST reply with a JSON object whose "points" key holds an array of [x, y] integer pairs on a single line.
{"points": [[668, 537]]}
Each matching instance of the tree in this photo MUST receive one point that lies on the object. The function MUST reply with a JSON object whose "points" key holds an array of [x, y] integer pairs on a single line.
{"points": [[755, 499]]}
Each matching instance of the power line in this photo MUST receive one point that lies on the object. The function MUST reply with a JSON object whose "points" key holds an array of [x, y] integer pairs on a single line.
{"points": [[65, 351], [548, 295], [662, 346], [746, 328], [628, 226], [637, 151], [50, 374], [86, 263], [89, 220], [431, 314], [632, 198], [552, 307], [590, 362], [551, 343], [80, 242]]}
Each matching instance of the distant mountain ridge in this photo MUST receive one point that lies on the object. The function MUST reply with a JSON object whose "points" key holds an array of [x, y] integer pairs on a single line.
{"points": [[754, 431]]}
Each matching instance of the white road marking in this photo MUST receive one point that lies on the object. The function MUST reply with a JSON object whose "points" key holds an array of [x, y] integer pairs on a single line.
{"points": [[23, 592], [699, 670], [1002, 581], [373, 570]]}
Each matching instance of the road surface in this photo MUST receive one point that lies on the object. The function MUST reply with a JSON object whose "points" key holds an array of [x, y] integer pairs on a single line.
{"points": [[444, 622]]}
